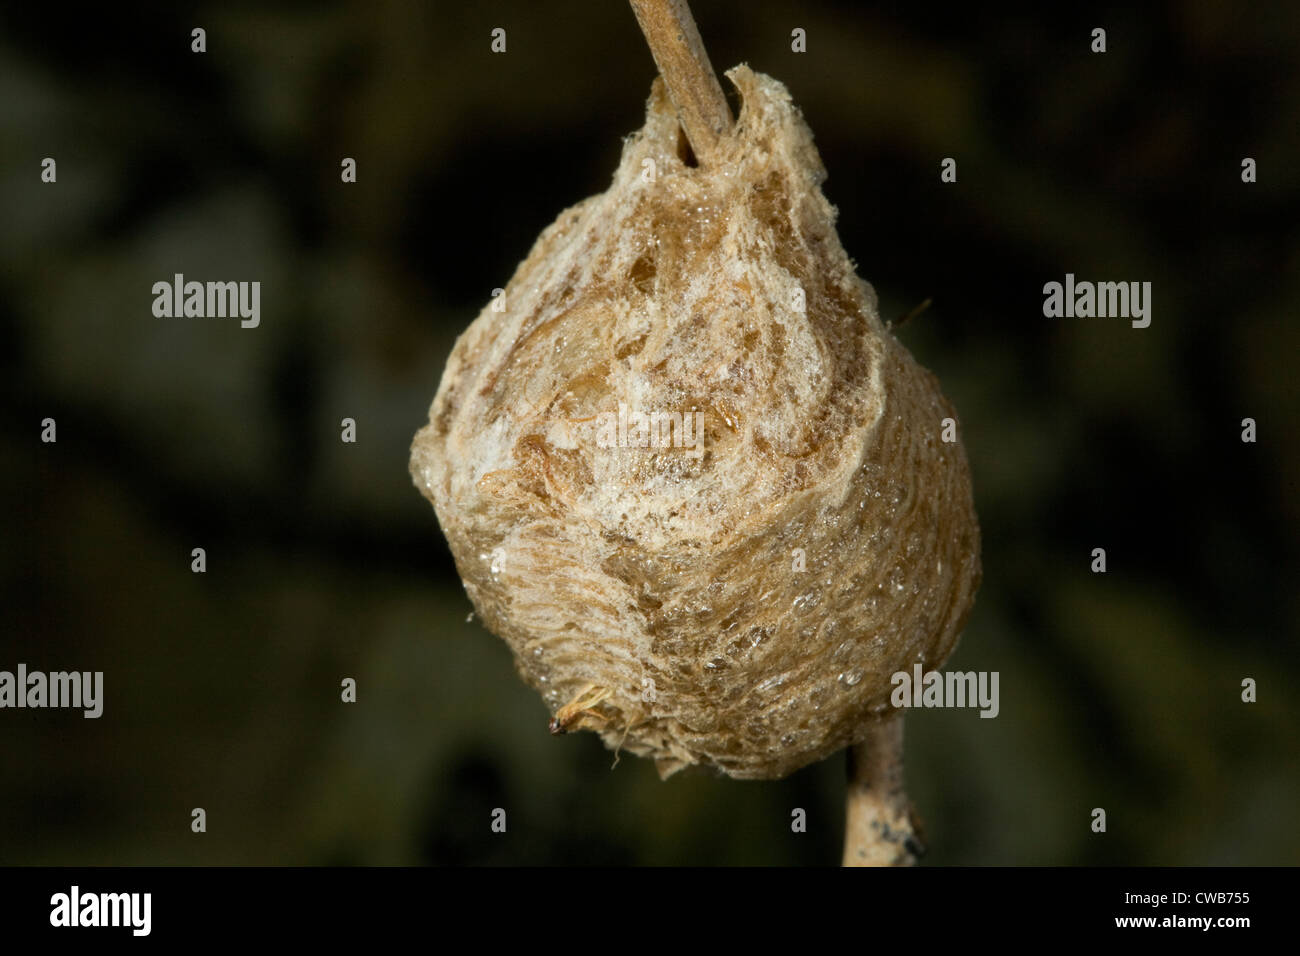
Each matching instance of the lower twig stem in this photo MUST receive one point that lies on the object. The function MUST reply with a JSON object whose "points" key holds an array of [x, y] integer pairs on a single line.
{"points": [[879, 826]]}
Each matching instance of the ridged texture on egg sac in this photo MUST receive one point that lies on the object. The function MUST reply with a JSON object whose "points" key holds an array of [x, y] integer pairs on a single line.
{"points": [[667, 582]]}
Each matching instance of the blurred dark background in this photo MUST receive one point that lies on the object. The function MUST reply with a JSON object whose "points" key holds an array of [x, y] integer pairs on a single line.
{"points": [[1119, 690]]}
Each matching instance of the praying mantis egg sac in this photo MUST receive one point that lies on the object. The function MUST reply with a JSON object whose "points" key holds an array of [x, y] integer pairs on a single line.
{"points": [[738, 597]]}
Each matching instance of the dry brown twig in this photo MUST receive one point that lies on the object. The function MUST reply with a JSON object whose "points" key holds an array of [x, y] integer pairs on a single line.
{"points": [[684, 65]]}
